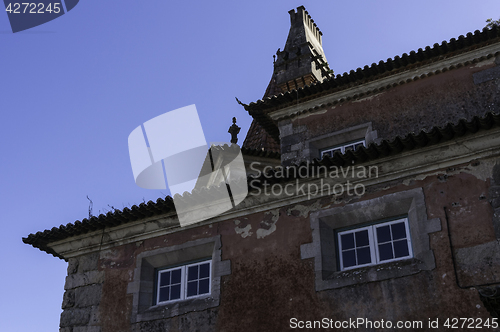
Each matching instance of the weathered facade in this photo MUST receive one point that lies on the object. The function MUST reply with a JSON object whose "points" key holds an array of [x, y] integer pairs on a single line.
{"points": [[411, 143]]}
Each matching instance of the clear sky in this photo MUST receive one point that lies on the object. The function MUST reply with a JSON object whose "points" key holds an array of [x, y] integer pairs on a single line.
{"points": [[73, 89]]}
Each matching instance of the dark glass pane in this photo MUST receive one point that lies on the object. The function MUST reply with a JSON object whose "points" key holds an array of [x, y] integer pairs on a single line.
{"points": [[336, 150], [358, 145], [383, 234], [204, 270], [347, 241], [348, 258], [204, 286], [175, 292], [398, 231], [176, 276], [364, 255], [362, 238], [164, 294], [401, 248], [385, 251], [193, 272], [192, 288], [164, 278], [348, 148]]}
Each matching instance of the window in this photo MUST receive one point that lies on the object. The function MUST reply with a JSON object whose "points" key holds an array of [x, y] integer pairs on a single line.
{"points": [[342, 140], [352, 234], [342, 148], [184, 282], [380, 243], [177, 279]]}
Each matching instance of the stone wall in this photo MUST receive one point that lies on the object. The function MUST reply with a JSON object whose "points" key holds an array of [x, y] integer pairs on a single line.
{"points": [[82, 295]]}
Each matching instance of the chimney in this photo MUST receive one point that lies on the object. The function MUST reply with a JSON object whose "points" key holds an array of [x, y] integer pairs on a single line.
{"points": [[302, 61]]}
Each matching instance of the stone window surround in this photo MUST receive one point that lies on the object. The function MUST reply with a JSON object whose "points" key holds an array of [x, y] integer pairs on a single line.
{"points": [[324, 251], [351, 134], [142, 287]]}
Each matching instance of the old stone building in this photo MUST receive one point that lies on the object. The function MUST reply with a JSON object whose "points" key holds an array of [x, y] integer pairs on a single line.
{"points": [[373, 195]]}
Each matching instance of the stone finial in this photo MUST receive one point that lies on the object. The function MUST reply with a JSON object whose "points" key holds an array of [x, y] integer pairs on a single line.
{"points": [[234, 130]]}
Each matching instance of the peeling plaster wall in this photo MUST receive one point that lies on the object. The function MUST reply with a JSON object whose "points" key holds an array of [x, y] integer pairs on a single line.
{"points": [[270, 283]]}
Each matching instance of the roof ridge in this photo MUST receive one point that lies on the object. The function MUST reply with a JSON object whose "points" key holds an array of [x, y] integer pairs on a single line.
{"points": [[421, 57]]}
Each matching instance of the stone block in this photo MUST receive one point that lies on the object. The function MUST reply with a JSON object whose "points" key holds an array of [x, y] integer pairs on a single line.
{"points": [[309, 250], [494, 191], [68, 299], [75, 317], [496, 222], [88, 262], [288, 156], [286, 130], [72, 266], [299, 129], [87, 329], [495, 202], [84, 279], [291, 140], [486, 75], [94, 316], [88, 296], [223, 268], [298, 147]]}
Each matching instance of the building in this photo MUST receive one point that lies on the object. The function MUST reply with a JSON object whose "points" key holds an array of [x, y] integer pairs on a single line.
{"points": [[386, 207]]}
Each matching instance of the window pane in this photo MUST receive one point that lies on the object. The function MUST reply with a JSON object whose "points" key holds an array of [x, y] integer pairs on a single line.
{"points": [[205, 270], [401, 248], [328, 153], [348, 148], [398, 231], [164, 278], [204, 286], [192, 288], [385, 251], [347, 241], [383, 234], [364, 255], [348, 258], [193, 272], [175, 292], [358, 145], [164, 293], [362, 238], [176, 276]]}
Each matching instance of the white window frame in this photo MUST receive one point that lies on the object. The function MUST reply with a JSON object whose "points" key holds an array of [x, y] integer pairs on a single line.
{"points": [[330, 151], [184, 282], [370, 241], [373, 243]]}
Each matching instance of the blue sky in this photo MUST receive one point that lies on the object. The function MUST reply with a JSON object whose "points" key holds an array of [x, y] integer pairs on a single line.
{"points": [[73, 89]]}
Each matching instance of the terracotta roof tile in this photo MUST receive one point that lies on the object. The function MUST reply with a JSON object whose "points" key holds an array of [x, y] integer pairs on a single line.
{"points": [[258, 139]]}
